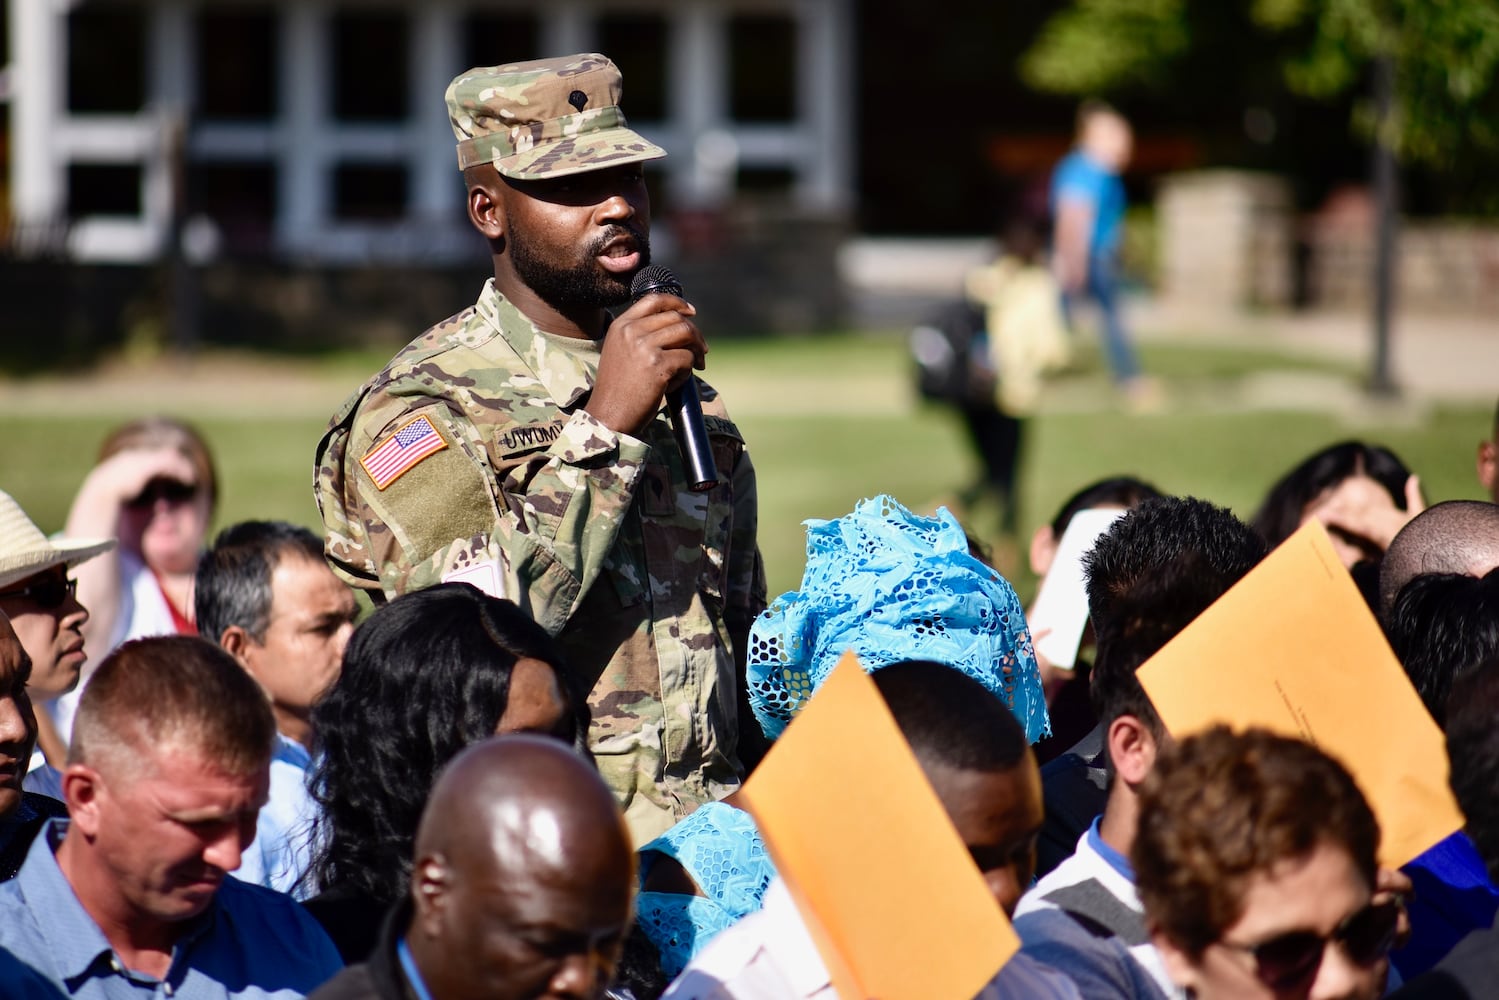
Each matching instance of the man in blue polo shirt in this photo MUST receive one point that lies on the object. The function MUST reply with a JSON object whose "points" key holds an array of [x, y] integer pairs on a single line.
{"points": [[1087, 204], [131, 898]]}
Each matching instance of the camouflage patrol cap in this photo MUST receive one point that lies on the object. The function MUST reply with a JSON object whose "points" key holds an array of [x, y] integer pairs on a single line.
{"points": [[545, 118]]}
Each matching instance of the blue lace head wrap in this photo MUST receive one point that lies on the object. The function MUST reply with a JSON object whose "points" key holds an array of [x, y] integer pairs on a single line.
{"points": [[892, 586]]}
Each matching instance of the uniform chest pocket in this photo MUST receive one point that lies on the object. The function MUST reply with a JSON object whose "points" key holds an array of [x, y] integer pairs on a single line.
{"points": [[687, 534]]}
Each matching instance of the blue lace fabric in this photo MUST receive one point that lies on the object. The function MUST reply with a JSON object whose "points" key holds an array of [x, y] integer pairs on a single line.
{"points": [[892, 585], [721, 849]]}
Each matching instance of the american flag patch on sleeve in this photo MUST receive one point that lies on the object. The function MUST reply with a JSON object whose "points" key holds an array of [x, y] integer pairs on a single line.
{"points": [[389, 459]]}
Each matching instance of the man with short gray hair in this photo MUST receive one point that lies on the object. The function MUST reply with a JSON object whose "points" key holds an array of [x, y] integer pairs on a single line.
{"points": [[264, 593], [166, 772]]}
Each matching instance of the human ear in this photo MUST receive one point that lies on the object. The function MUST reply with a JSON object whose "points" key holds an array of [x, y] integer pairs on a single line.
{"points": [[484, 210], [236, 642], [1132, 749], [1488, 466], [81, 790], [430, 883], [1043, 550]]}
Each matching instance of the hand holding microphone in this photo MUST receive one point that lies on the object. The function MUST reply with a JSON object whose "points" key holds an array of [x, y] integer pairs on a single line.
{"points": [[651, 350], [685, 407]]}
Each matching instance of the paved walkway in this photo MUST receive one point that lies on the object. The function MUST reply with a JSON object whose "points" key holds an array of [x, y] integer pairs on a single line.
{"points": [[895, 283], [1433, 358]]}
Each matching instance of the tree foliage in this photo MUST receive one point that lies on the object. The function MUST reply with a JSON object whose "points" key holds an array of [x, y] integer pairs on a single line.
{"points": [[1098, 46], [1445, 55]]}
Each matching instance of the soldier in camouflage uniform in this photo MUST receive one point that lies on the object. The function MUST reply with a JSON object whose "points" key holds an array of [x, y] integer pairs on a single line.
{"points": [[522, 445]]}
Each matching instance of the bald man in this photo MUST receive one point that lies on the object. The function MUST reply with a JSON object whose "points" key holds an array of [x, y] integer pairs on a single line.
{"points": [[1459, 536], [521, 886]]}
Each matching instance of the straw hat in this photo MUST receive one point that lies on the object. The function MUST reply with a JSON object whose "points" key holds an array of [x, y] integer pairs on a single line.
{"points": [[25, 551]]}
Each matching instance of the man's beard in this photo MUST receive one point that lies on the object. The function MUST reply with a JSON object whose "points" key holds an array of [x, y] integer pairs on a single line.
{"points": [[585, 285]]}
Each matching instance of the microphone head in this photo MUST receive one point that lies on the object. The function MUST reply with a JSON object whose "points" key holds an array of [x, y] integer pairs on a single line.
{"points": [[654, 278]]}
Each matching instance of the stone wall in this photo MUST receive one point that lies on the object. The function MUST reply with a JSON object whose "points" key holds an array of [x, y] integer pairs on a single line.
{"points": [[1225, 240], [1442, 267], [1230, 240]]}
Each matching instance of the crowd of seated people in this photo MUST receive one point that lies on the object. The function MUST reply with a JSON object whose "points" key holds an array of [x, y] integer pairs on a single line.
{"points": [[220, 782]]}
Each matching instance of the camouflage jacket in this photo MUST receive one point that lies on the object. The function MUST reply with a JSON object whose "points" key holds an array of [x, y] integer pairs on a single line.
{"points": [[649, 588]]}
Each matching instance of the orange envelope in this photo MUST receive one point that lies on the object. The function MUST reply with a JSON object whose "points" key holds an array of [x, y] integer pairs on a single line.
{"points": [[893, 900], [1294, 649]]}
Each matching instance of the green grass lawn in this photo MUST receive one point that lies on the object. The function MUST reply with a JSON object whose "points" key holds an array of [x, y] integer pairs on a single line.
{"points": [[829, 420]]}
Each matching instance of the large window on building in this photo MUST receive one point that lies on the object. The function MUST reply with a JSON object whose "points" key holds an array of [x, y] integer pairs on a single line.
{"points": [[104, 189], [371, 73], [493, 37], [106, 57], [637, 42], [370, 192], [762, 68], [241, 200], [236, 63]]}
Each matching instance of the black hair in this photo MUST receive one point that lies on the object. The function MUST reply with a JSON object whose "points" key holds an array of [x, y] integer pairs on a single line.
{"points": [[425, 676], [1116, 491], [949, 718], [1441, 626], [639, 970], [1140, 623], [233, 583], [1284, 506], [1155, 534], [1473, 752]]}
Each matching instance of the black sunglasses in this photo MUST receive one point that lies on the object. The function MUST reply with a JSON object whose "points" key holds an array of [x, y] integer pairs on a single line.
{"points": [[171, 490], [48, 593], [1292, 959]]}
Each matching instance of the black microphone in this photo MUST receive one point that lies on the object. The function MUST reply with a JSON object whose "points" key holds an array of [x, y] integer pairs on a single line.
{"points": [[686, 409]]}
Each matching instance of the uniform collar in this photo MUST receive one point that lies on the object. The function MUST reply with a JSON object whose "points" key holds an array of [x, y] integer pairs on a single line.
{"points": [[567, 375]]}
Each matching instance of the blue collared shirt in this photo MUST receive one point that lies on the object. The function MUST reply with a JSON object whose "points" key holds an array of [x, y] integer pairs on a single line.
{"points": [[250, 944], [1115, 860], [282, 849]]}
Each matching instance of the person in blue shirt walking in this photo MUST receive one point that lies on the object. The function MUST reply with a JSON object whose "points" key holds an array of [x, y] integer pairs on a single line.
{"points": [[1087, 203]]}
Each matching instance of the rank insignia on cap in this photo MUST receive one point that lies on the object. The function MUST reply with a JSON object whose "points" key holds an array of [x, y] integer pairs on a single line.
{"points": [[391, 458]]}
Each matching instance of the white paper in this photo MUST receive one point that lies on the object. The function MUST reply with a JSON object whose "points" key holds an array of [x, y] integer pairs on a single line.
{"points": [[484, 575], [1062, 604]]}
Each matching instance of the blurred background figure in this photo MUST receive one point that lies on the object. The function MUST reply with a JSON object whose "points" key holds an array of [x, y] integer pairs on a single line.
{"points": [[1088, 203], [155, 489], [1362, 493], [1003, 339], [1488, 460]]}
